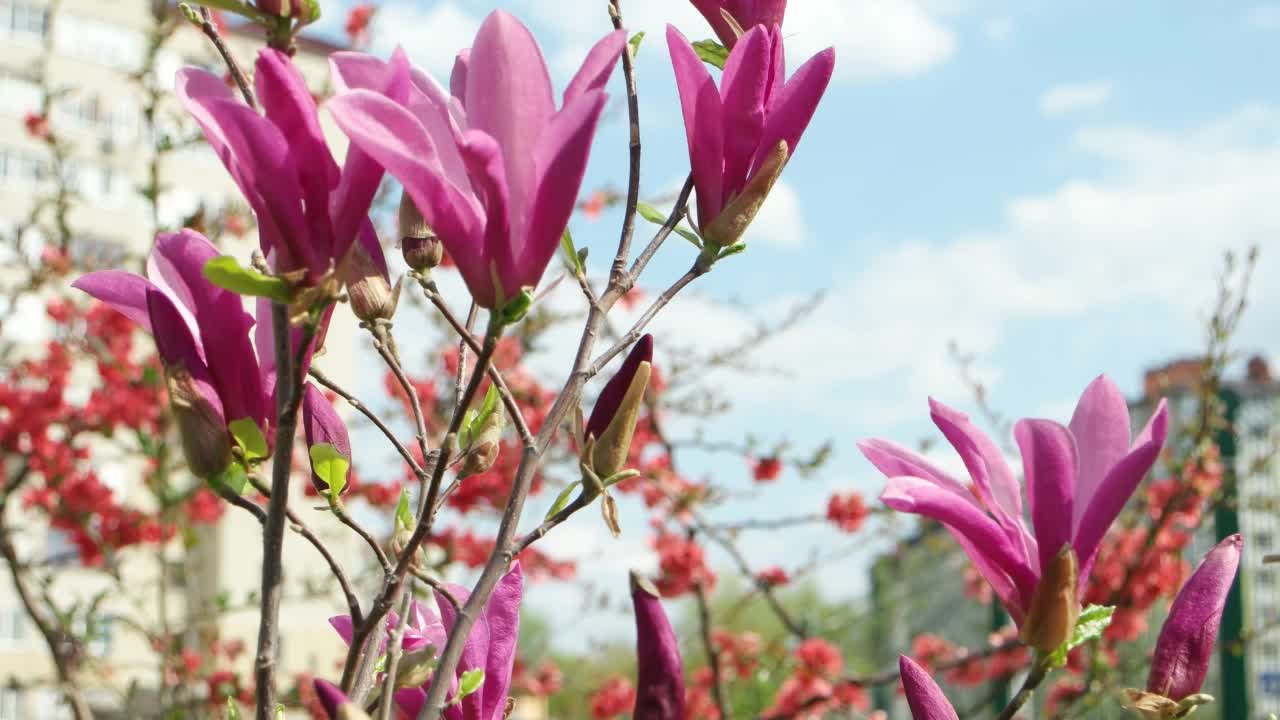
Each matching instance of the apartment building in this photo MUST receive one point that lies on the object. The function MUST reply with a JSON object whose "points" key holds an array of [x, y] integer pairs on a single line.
{"points": [[91, 53]]}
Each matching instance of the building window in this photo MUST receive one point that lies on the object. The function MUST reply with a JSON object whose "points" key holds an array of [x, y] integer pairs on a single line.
{"points": [[20, 166], [1264, 540], [18, 94], [23, 19], [99, 41], [13, 623], [9, 698]]}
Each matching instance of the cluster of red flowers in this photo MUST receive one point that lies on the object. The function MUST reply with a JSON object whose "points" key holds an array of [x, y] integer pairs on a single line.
{"points": [[471, 550], [814, 687], [615, 698], [932, 652], [847, 511], [542, 681], [681, 564], [43, 421]]}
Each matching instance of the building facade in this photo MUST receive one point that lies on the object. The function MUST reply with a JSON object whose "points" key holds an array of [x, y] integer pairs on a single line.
{"points": [[93, 55]]}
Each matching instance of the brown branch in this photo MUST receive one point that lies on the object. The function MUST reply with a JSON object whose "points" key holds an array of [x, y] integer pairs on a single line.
{"points": [[713, 657], [211, 31], [618, 276], [409, 460]]}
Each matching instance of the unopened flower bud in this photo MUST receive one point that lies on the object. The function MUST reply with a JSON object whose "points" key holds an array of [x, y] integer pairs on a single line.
{"points": [[371, 295], [733, 221], [660, 670], [613, 419], [1054, 605], [336, 704], [416, 667], [485, 444], [421, 248], [322, 425], [203, 430]]}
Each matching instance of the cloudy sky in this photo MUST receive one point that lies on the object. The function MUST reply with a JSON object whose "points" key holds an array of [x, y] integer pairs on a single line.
{"points": [[1051, 185]]}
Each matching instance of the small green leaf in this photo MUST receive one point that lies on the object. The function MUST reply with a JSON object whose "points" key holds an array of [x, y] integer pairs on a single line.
{"points": [[561, 500], [233, 710], [471, 682], [571, 257], [653, 215], [616, 478], [233, 478], [635, 41], [711, 52], [279, 712], [734, 249], [228, 274], [190, 14], [1090, 625], [250, 438], [151, 377], [313, 10], [516, 308], [487, 409], [330, 466], [404, 515]]}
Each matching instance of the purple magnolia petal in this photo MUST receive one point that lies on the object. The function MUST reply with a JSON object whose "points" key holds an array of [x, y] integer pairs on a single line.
{"points": [[411, 700], [331, 697], [964, 519], [257, 157], [597, 67], [361, 175], [744, 90], [704, 127], [445, 122], [1049, 465], [1015, 598], [503, 615], [509, 98], [794, 105], [342, 623], [992, 478], [177, 349], [1185, 647], [394, 138], [660, 676], [1100, 426], [923, 694], [475, 651], [458, 78], [289, 106], [484, 162], [616, 389], [561, 162], [176, 265], [125, 292], [895, 460], [1116, 488]]}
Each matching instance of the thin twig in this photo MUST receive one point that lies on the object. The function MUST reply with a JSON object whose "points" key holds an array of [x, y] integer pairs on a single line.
{"points": [[713, 657], [351, 400], [210, 30]]}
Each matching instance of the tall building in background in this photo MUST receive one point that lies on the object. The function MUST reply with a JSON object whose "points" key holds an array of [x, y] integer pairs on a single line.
{"points": [[92, 51]]}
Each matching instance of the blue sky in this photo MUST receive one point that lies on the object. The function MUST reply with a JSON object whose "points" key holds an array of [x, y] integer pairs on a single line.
{"points": [[1051, 185]]}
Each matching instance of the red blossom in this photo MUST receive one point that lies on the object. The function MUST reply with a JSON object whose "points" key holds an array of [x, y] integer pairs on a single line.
{"points": [[616, 697], [847, 511], [766, 469]]}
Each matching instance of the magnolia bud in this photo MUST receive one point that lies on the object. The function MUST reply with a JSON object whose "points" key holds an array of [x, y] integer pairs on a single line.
{"points": [[485, 444], [736, 217], [416, 668], [336, 704], [1054, 606], [421, 248], [371, 295], [613, 420], [203, 430]]}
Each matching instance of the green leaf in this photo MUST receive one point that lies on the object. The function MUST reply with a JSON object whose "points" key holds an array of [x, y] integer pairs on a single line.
{"points": [[734, 249], [330, 466], [471, 682], [404, 515], [616, 478], [711, 52], [228, 274], [515, 309], [571, 257], [250, 438], [653, 215], [1090, 625], [561, 500], [635, 41], [279, 712], [233, 710], [234, 478], [151, 377]]}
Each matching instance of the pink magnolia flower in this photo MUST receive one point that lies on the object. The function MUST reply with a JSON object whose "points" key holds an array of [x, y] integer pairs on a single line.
{"points": [[321, 424], [491, 164], [746, 14], [1186, 642], [491, 646], [742, 134], [336, 704], [923, 694], [1078, 479], [202, 336], [660, 682], [310, 211]]}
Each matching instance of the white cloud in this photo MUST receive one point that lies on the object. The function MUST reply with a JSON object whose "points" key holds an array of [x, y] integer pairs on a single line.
{"points": [[430, 35], [781, 222], [1075, 97], [874, 39]]}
